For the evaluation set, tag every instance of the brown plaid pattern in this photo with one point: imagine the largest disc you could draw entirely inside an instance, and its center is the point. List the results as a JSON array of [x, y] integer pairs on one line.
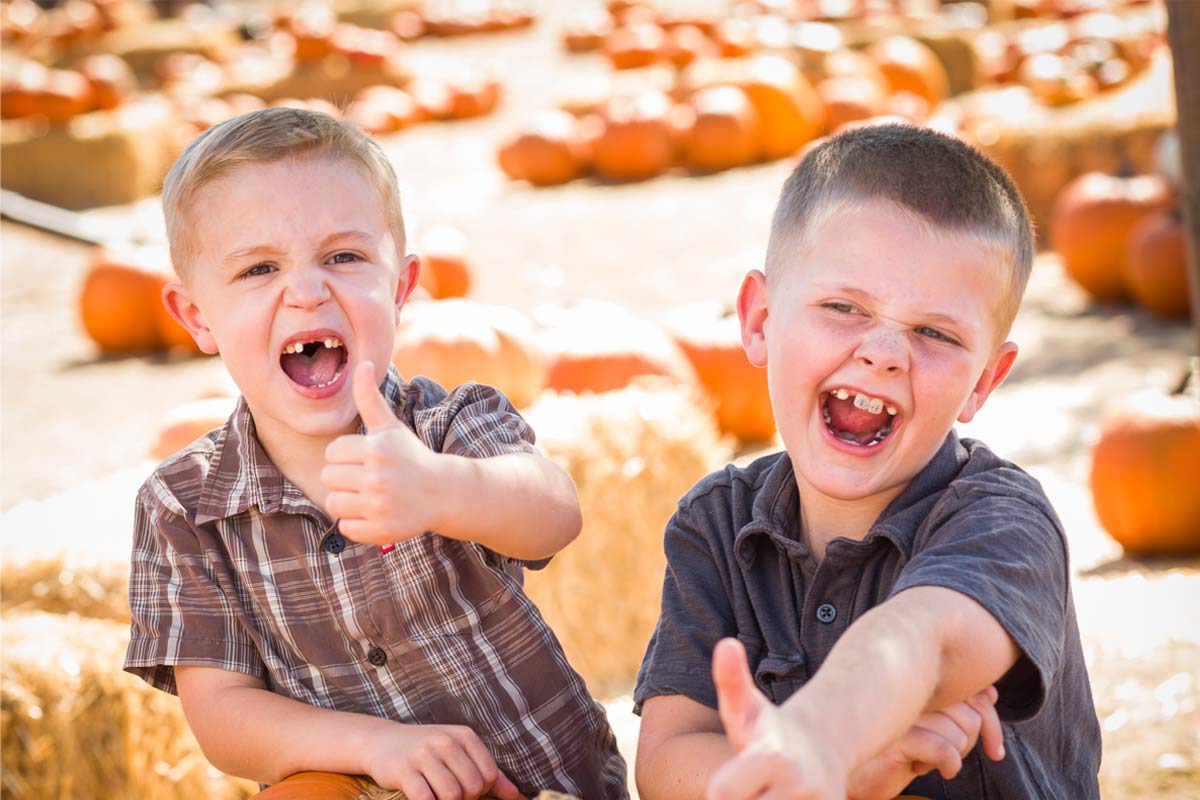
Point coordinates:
[[234, 567]]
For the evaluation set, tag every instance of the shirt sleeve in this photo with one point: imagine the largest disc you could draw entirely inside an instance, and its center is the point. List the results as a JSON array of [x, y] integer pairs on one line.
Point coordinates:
[[179, 612], [1010, 556], [696, 614], [473, 420]]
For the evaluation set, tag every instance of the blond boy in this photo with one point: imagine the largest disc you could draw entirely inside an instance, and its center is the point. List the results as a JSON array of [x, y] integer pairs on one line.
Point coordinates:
[[333, 580], [819, 601]]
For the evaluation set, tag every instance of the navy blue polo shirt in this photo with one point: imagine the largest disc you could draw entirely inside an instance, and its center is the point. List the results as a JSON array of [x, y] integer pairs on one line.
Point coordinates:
[[738, 565]]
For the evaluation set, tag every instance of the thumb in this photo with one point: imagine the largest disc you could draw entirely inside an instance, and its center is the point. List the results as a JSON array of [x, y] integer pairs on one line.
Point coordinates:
[[374, 410], [739, 701]]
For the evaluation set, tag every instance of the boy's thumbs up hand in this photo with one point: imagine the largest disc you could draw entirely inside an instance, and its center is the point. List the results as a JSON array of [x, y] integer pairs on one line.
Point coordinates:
[[382, 484], [775, 756]]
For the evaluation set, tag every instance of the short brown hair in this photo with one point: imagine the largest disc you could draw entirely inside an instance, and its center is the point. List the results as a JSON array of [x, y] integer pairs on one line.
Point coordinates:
[[937, 178], [265, 135]]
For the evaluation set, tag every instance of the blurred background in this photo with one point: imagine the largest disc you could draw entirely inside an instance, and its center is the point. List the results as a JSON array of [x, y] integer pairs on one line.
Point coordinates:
[[586, 183]]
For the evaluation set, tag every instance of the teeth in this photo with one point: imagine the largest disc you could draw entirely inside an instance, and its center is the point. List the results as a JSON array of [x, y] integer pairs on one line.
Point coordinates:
[[892, 410], [869, 404], [841, 394], [298, 347]]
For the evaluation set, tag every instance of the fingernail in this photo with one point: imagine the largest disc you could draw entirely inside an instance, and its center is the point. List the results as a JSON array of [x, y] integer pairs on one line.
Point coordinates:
[[1002, 751]]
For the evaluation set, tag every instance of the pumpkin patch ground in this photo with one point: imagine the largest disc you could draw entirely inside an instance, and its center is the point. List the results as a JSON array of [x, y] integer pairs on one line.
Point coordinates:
[[73, 418]]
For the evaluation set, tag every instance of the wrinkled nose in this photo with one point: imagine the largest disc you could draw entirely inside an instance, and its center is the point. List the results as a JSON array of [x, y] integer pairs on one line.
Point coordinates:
[[884, 350], [306, 288]]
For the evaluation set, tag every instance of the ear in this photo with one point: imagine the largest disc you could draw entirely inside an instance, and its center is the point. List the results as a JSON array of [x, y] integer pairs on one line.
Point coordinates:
[[752, 313], [410, 273], [186, 313], [994, 373]]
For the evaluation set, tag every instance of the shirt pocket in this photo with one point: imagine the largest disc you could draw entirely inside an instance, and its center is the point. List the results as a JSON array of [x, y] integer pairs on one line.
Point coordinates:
[[780, 677]]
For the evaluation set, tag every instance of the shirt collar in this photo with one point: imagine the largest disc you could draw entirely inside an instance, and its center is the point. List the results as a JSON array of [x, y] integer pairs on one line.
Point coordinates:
[[775, 512], [242, 475]]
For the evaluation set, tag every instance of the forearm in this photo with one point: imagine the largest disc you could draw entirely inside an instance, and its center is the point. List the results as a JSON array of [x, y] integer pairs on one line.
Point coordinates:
[[679, 768], [923, 650], [256, 734], [521, 505]]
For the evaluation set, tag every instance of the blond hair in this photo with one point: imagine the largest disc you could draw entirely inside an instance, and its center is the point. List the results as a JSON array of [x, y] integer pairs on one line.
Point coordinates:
[[266, 135], [941, 182]]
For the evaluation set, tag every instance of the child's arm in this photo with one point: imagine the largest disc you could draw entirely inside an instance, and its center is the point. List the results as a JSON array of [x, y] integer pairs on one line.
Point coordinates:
[[925, 648], [387, 486], [247, 730]]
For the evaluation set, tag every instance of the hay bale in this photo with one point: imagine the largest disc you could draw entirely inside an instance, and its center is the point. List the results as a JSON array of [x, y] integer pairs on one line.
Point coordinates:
[[75, 726], [97, 159], [632, 453], [70, 552]]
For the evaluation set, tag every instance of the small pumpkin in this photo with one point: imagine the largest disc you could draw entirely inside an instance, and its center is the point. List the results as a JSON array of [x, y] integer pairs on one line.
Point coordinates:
[[117, 303], [637, 142], [725, 132], [386, 108], [600, 347], [546, 152], [711, 338], [790, 112], [186, 423], [459, 340], [1143, 476], [1157, 271], [851, 98], [312, 26], [586, 29], [111, 79], [686, 44], [1090, 225], [445, 262], [473, 94], [66, 94], [911, 66], [325, 785], [635, 46]]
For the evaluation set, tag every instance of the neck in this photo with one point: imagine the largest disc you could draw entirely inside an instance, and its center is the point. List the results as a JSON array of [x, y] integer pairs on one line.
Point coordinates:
[[300, 457], [824, 518]]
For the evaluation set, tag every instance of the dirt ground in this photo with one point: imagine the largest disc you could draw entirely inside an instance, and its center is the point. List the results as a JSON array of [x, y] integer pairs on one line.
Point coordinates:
[[69, 417]]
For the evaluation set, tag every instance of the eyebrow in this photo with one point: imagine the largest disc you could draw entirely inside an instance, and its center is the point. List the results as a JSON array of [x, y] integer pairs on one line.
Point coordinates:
[[266, 249], [931, 316]]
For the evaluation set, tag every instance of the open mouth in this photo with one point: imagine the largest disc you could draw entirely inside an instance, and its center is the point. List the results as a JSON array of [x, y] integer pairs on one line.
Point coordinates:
[[314, 363], [857, 418]]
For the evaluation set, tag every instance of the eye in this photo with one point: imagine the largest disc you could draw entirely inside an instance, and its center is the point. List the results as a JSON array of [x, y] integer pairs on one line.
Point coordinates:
[[257, 269], [936, 335], [840, 307], [345, 258]]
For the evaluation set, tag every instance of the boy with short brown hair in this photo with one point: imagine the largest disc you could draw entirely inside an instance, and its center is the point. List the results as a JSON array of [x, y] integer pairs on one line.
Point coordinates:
[[820, 600], [332, 581]]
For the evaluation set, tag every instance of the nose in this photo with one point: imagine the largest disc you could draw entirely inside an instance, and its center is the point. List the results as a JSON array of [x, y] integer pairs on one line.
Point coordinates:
[[306, 287], [885, 350]]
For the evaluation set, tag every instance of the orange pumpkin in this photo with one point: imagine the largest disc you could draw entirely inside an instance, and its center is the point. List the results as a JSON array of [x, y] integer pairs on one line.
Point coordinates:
[[725, 132], [712, 340], [911, 66], [111, 79], [323, 785], [634, 46], [1143, 476], [66, 94], [117, 304], [790, 111], [445, 263], [637, 142], [383, 109], [546, 153], [686, 43], [455, 341], [433, 98], [188, 422], [599, 347], [586, 29], [312, 26], [1090, 225], [850, 98], [1157, 274], [473, 95]]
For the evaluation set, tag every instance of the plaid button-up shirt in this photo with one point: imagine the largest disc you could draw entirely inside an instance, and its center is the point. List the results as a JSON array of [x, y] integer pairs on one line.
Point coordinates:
[[234, 567]]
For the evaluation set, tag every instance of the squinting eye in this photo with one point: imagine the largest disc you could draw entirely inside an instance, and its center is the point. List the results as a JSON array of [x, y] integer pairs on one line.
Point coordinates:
[[257, 269], [934, 333], [844, 308], [344, 258]]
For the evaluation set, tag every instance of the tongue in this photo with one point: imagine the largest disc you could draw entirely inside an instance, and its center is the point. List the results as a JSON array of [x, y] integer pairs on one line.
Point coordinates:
[[848, 419], [314, 370]]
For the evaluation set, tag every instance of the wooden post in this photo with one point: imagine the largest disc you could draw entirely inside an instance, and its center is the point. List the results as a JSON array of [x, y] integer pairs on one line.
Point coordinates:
[[1183, 34]]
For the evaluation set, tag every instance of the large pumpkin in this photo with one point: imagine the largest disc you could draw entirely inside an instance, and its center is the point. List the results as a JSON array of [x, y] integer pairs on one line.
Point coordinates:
[[712, 340], [790, 111], [546, 152], [188, 422], [599, 347], [1091, 222], [1157, 274], [1144, 472], [458, 340], [909, 65], [117, 304], [724, 132], [637, 142]]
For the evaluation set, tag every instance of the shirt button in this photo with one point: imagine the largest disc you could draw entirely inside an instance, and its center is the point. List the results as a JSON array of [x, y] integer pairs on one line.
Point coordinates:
[[376, 656], [826, 613], [334, 543]]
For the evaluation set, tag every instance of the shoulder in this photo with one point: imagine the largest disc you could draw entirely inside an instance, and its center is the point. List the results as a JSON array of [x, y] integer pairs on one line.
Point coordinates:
[[177, 484], [986, 477], [732, 492]]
